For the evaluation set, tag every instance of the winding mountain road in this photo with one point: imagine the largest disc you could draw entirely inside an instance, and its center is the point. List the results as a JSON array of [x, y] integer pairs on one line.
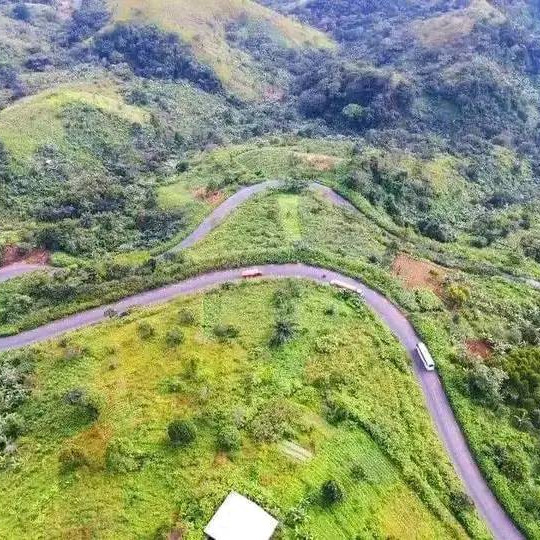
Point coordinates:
[[18, 269], [436, 400]]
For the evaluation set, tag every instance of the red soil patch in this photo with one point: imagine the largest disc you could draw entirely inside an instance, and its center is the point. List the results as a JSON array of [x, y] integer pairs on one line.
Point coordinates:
[[416, 274], [479, 347], [211, 197], [14, 254]]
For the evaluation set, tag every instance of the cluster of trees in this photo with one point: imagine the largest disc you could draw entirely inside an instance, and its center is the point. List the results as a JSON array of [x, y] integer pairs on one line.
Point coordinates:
[[15, 385], [152, 53], [352, 95]]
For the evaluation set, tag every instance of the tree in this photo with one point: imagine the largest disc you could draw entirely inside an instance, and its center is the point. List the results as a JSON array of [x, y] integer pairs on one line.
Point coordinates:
[[88, 19], [152, 53], [182, 432], [353, 112], [485, 384], [331, 492]]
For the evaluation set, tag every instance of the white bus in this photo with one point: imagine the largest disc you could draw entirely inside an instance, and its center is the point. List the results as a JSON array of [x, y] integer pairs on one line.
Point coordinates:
[[347, 286], [425, 356]]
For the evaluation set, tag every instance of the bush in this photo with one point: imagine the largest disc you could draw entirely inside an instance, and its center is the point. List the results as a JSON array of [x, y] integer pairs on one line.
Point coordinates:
[[458, 295], [512, 462], [146, 330], [228, 438], [225, 331], [174, 337], [71, 458], [460, 502], [182, 432], [86, 404], [284, 331], [186, 317], [331, 492], [122, 457]]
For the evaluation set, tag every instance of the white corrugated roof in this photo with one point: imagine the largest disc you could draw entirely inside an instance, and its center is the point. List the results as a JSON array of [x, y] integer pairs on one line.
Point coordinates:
[[239, 518]]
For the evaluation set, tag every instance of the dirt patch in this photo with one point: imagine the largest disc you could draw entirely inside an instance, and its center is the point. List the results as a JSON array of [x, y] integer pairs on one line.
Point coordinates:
[[15, 254], [416, 274], [93, 442], [319, 162], [214, 198], [479, 347], [273, 94], [221, 459]]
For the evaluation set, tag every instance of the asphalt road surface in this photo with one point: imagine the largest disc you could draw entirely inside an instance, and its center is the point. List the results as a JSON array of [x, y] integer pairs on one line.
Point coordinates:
[[437, 403], [18, 269]]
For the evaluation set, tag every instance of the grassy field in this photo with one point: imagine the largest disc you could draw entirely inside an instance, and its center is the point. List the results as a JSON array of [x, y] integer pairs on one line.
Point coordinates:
[[203, 25], [36, 121], [116, 475]]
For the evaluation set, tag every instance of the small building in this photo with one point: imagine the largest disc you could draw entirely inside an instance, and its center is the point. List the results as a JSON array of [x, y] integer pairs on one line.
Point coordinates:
[[239, 518]]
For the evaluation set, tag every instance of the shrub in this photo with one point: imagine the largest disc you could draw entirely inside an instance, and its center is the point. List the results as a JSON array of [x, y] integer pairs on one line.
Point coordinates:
[[331, 492], [358, 472], [225, 331], [174, 337], [272, 421], [458, 294], [186, 317], [284, 331], [71, 458], [228, 438], [182, 166], [122, 457], [460, 502], [182, 432], [512, 462], [146, 330], [86, 404]]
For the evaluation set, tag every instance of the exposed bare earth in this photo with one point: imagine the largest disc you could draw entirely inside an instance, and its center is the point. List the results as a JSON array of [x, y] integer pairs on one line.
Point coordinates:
[[417, 274], [479, 347]]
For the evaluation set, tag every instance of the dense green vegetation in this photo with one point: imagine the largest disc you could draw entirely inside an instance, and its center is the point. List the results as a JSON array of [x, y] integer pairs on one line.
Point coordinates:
[[292, 424], [123, 124]]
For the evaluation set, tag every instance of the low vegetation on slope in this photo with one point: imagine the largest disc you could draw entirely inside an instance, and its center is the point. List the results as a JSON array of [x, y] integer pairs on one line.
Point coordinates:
[[204, 23], [278, 388]]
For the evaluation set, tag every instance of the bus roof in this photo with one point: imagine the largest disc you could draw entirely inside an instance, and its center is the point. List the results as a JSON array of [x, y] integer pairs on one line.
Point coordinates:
[[423, 350]]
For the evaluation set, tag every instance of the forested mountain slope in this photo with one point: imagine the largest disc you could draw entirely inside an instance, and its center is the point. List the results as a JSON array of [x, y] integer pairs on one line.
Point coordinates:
[[124, 123]]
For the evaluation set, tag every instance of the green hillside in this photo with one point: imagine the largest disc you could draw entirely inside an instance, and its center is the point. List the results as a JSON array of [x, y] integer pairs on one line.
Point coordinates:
[[114, 474], [125, 123], [203, 24]]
